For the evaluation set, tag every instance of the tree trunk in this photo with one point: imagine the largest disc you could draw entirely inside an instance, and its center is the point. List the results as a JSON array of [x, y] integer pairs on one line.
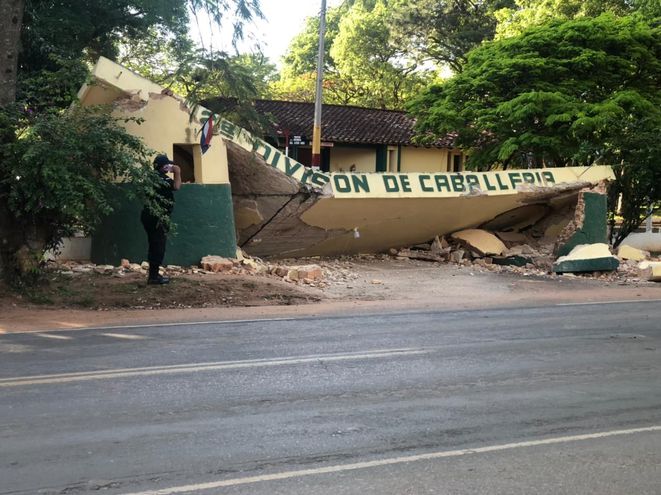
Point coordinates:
[[11, 21]]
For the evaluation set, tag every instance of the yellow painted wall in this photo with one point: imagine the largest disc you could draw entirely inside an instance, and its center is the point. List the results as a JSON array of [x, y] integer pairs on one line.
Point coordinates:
[[423, 159], [363, 158], [166, 117]]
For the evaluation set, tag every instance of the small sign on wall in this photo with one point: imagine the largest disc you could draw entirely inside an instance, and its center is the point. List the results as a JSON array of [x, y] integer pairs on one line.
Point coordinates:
[[298, 141]]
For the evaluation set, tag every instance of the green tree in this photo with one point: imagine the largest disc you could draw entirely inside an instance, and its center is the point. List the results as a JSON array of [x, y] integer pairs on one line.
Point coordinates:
[[567, 93], [57, 163], [514, 20], [444, 31], [365, 53], [364, 64]]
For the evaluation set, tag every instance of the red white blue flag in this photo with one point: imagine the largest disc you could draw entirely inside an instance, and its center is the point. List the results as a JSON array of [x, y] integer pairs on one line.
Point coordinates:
[[207, 133]]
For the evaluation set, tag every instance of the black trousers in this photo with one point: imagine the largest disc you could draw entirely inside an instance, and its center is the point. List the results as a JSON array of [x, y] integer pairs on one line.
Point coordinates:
[[157, 236]]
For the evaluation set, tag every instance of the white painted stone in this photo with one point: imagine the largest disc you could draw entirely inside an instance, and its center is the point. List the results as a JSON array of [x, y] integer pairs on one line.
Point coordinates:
[[650, 270], [647, 241]]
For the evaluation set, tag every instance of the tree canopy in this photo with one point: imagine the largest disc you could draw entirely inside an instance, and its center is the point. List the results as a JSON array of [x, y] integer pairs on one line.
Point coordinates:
[[444, 31], [515, 19], [578, 92], [364, 63], [58, 162]]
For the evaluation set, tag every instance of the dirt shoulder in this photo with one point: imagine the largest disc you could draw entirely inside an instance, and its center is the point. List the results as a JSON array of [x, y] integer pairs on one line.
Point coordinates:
[[350, 286]]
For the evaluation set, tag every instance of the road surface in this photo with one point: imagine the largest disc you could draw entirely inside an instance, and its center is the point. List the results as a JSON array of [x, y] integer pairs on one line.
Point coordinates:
[[559, 399]]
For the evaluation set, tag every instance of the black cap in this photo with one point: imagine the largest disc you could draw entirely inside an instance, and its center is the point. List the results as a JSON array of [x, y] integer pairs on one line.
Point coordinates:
[[161, 160]]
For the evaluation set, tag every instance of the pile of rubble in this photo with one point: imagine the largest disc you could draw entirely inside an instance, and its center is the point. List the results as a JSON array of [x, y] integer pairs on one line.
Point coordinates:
[[310, 274], [525, 255]]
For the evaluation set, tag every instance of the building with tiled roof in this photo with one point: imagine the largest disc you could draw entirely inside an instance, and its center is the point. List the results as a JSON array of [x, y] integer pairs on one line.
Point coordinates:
[[353, 138]]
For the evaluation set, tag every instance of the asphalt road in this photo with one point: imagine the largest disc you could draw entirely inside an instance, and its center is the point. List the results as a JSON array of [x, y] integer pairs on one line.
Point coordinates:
[[563, 399]]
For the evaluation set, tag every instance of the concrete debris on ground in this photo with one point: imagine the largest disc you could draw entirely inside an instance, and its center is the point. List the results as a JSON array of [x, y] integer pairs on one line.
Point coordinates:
[[626, 252], [311, 274], [526, 253], [480, 241], [530, 253], [650, 271]]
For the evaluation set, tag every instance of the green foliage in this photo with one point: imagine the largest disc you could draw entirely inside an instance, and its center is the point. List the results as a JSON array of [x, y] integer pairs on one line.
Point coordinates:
[[301, 57], [567, 93], [444, 31], [516, 19], [364, 65], [53, 88], [365, 53], [363, 62], [72, 28], [59, 162], [57, 175]]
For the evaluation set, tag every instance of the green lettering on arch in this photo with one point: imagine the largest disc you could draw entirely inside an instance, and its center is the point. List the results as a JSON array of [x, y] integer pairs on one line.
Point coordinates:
[[442, 183], [360, 183], [423, 186], [458, 183], [548, 176], [390, 183], [342, 183]]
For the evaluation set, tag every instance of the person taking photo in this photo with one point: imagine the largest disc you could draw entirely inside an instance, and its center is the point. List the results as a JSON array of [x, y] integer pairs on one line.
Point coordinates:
[[157, 226]]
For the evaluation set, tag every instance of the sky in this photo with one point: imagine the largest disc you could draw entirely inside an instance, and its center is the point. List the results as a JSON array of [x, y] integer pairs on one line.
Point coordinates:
[[283, 19]]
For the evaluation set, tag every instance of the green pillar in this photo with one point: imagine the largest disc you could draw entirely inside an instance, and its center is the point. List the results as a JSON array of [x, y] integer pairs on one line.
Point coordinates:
[[204, 224]]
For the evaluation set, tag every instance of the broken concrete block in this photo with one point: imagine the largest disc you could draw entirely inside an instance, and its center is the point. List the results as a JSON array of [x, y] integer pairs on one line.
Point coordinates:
[[588, 226], [587, 258], [239, 254], [252, 265], [103, 268], [631, 253], [480, 241], [312, 272], [650, 271], [216, 264], [457, 256], [439, 246], [281, 271], [125, 263]]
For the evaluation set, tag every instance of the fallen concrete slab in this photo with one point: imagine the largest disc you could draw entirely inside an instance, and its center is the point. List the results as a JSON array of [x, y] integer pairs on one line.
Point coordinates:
[[480, 241], [587, 258], [631, 253], [298, 211]]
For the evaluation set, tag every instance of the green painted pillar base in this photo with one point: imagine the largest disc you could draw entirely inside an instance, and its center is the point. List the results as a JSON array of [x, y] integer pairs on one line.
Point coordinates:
[[204, 221], [594, 229], [606, 264]]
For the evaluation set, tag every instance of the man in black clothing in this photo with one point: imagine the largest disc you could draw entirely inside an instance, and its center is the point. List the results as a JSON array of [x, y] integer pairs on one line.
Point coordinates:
[[157, 231]]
